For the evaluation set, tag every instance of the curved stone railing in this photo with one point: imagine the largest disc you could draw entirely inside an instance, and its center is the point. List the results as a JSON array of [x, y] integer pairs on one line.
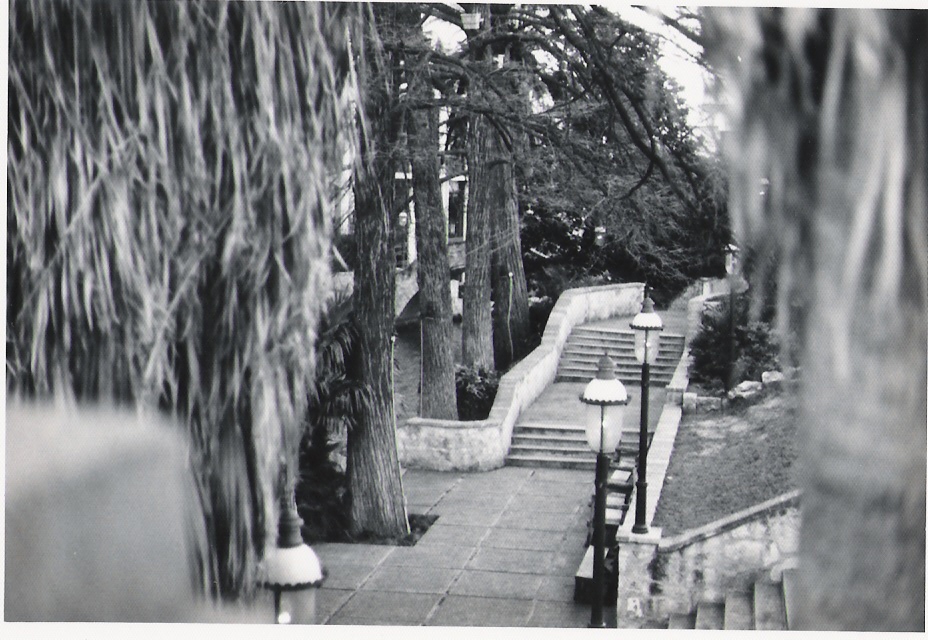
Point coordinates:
[[703, 563], [446, 445]]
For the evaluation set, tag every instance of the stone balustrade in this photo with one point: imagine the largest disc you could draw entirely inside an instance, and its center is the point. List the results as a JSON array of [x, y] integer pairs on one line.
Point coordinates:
[[447, 445]]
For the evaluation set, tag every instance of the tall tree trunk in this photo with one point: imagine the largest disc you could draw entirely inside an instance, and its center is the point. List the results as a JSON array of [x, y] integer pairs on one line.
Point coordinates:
[[438, 396], [374, 482], [510, 295], [862, 541], [843, 142], [477, 328]]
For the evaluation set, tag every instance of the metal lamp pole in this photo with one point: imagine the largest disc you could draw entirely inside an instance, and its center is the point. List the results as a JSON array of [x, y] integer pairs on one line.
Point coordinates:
[[599, 535], [646, 324], [641, 484], [603, 435]]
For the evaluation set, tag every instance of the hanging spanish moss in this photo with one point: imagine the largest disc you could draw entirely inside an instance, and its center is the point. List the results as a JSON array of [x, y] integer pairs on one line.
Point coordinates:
[[169, 226]]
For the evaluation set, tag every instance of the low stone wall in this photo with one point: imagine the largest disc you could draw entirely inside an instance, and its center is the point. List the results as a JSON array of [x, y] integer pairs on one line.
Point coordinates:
[[730, 553], [445, 445]]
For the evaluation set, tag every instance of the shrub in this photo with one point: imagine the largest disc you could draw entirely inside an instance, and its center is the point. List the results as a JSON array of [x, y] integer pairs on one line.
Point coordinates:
[[335, 399], [756, 348], [476, 391]]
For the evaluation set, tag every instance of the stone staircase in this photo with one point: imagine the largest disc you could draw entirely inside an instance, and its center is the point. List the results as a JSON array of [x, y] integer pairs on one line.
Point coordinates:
[[765, 606], [586, 345], [563, 447]]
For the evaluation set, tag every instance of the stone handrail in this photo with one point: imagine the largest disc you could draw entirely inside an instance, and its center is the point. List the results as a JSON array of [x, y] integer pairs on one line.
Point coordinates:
[[447, 445], [703, 563]]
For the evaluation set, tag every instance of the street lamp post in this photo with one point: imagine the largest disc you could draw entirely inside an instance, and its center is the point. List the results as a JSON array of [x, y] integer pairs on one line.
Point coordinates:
[[647, 326], [605, 398], [730, 253], [292, 570]]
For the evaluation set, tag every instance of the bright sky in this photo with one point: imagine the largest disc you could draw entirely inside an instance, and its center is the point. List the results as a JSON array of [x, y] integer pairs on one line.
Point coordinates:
[[676, 54]]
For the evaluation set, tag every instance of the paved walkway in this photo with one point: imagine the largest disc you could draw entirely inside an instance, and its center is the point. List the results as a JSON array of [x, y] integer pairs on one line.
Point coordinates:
[[502, 553]]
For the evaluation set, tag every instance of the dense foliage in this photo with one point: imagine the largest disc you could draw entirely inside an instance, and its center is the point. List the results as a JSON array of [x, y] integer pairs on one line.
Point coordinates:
[[335, 401], [476, 391], [756, 348]]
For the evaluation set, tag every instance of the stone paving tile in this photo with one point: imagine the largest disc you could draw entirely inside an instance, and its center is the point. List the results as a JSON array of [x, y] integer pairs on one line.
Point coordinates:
[[428, 478], [506, 480], [382, 607], [544, 504], [435, 555], [332, 553], [329, 600], [550, 488], [514, 561], [533, 540], [459, 535], [556, 589], [421, 508], [448, 515], [495, 584], [411, 579], [468, 611], [558, 522], [464, 498], [346, 576], [559, 614], [566, 561], [571, 476]]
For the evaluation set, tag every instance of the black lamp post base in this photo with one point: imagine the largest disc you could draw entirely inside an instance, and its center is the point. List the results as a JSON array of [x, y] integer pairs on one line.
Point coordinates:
[[641, 526]]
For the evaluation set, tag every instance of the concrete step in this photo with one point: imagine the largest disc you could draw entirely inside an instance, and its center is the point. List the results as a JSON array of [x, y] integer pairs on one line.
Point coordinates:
[[769, 609], [682, 621], [592, 356], [587, 330], [562, 450], [574, 376], [739, 611], [583, 581], [616, 501], [789, 596], [632, 374], [549, 428], [621, 368], [622, 481], [709, 615], [544, 440], [550, 462], [620, 337]]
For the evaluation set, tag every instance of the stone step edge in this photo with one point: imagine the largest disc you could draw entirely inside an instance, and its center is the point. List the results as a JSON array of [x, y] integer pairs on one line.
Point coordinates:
[[673, 335]]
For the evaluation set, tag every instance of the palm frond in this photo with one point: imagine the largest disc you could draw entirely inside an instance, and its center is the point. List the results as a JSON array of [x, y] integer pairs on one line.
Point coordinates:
[[169, 224]]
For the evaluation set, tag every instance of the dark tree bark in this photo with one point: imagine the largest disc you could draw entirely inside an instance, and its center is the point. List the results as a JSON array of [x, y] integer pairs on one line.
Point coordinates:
[[510, 296], [849, 212], [477, 329], [374, 481], [438, 396]]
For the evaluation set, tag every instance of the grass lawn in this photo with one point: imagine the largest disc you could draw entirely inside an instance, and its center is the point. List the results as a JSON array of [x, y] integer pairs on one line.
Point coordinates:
[[730, 460]]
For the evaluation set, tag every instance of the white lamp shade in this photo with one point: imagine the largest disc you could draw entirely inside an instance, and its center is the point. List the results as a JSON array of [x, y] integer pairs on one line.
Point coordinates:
[[292, 567], [647, 345], [730, 252], [605, 399], [647, 324], [471, 21], [604, 426]]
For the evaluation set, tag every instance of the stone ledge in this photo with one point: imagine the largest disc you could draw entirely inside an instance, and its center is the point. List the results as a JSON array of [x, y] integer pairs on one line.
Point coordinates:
[[733, 521]]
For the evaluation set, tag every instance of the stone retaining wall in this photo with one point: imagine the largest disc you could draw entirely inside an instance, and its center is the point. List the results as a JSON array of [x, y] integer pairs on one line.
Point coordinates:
[[446, 445], [730, 553]]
